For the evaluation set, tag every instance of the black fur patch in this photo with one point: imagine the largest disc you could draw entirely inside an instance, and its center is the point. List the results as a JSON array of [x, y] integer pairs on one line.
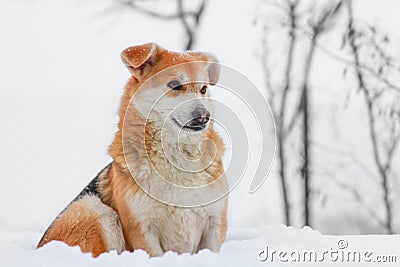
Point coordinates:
[[92, 187]]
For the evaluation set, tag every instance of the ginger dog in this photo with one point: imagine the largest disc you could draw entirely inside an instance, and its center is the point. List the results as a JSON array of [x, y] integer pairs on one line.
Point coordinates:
[[114, 212]]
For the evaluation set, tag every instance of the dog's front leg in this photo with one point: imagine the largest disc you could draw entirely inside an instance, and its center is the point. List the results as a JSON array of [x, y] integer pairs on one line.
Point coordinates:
[[214, 233], [153, 242]]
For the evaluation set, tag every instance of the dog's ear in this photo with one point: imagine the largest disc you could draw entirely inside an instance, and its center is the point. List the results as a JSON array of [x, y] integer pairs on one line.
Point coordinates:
[[213, 68], [137, 58]]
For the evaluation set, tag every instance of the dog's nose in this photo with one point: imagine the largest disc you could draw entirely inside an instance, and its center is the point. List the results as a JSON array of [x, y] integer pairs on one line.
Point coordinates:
[[201, 115]]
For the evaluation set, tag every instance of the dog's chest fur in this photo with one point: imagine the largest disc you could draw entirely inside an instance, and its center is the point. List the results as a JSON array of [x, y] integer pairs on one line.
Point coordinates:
[[173, 228]]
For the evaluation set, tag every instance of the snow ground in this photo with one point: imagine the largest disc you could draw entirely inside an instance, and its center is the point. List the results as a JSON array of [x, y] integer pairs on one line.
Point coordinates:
[[242, 248], [59, 92]]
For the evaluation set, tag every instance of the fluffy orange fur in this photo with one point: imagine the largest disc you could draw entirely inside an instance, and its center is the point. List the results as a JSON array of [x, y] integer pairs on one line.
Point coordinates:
[[78, 226]]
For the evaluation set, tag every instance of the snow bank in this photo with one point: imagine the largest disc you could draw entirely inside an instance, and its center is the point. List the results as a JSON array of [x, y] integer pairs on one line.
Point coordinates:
[[21, 251], [244, 247]]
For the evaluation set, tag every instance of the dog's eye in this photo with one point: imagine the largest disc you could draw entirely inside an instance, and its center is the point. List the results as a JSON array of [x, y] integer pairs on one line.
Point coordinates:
[[203, 90], [175, 85]]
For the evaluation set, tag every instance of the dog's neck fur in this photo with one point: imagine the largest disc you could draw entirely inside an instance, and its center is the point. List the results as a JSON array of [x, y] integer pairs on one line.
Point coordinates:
[[141, 155]]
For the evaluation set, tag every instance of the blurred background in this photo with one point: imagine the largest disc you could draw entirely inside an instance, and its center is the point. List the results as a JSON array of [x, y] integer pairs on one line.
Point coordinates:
[[329, 69]]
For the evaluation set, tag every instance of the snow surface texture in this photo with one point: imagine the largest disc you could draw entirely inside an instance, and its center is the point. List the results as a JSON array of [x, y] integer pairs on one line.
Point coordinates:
[[60, 86], [242, 248]]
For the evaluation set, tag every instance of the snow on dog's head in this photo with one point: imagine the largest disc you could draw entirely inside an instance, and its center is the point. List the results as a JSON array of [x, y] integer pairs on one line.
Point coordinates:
[[166, 138], [166, 111], [172, 88]]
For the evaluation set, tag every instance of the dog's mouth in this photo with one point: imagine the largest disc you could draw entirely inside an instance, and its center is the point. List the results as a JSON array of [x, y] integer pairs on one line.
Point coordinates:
[[191, 125]]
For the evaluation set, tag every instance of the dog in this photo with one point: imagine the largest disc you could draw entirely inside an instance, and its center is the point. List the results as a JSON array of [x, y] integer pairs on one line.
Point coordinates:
[[125, 207]]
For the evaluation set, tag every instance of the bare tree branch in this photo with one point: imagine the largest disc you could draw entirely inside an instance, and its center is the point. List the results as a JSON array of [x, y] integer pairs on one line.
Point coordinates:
[[323, 22], [349, 156], [379, 164], [374, 80], [182, 15], [133, 5], [350, 62], [360, 200], [190, 30], [305, 109], [280, 112], [282, 133]]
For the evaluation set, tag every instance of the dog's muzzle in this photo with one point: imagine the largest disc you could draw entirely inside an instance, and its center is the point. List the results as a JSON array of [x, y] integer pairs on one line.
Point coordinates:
[[201, 117]]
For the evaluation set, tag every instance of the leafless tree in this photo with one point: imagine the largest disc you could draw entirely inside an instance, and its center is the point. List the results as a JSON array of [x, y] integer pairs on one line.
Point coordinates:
[[281, 110], [374, 68], [189, 19], [321, 21], [366, 43]]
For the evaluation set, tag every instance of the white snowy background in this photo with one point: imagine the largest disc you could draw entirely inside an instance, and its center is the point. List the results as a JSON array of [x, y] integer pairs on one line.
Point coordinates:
[[60, 84]]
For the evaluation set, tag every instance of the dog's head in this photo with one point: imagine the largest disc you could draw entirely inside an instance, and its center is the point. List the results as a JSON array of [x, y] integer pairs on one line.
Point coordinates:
[[172, 88]]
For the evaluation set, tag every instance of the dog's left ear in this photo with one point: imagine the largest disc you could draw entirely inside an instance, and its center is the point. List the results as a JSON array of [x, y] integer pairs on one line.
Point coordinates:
[[213, 68], [137, 58]]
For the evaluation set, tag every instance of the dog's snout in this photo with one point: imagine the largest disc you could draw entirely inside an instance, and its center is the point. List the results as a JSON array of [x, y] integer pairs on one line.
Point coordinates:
[[201, 115]]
